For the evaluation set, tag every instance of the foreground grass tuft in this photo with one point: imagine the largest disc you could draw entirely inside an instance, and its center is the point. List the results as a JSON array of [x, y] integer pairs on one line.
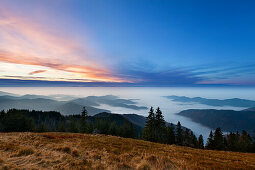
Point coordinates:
[[25, 152]]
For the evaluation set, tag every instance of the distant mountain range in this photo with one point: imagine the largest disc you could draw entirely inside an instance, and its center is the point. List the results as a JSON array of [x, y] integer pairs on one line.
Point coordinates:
[[5, 94], [227, 120], [73, 106], [235, 102]]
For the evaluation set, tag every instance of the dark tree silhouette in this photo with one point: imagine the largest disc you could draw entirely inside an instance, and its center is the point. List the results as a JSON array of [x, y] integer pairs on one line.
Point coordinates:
[[149, 129], [200, 142], [179, 134]]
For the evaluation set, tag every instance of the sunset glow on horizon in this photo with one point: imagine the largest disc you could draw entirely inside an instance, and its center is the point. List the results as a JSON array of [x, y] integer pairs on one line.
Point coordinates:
[[27, 48]]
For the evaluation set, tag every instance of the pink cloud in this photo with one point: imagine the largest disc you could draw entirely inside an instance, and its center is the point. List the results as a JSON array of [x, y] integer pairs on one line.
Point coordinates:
[[37, 72], [27, 43]]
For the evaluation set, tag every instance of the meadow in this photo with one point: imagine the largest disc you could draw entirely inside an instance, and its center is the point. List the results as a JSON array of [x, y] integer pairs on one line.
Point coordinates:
[[82, 151]]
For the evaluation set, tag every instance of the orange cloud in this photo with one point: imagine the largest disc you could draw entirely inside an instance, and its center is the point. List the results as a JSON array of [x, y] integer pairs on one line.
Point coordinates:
[[86, 72], [24, 42]]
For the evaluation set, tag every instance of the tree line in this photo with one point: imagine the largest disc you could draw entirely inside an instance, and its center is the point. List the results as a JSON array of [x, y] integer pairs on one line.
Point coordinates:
[[14, 120], [231, 142], [155, 130]]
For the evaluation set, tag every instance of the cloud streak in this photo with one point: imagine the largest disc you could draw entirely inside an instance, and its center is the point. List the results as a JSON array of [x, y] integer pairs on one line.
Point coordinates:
[[37, 72], [26, 43]]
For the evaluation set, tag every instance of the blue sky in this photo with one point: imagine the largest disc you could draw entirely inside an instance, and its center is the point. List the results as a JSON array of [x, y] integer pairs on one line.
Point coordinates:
[[134, 42]]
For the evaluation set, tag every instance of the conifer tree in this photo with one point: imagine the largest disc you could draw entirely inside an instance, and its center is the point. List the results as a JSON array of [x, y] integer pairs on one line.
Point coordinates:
[[193, 142], [160, 127], [218, 139], [171, 134], [149, 129], [84, 113], [210, 141], [200, 142], [179, 134], [245, 142], [160, 122], [83, 128]]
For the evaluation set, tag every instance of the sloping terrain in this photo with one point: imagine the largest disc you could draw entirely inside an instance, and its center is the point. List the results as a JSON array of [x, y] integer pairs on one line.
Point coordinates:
[[227, 120], [69, 107], [65, 107], [82, 151]]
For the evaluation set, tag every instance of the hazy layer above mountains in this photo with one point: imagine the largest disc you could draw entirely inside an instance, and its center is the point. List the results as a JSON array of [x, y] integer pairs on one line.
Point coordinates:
[[72, 106], [235, 102]]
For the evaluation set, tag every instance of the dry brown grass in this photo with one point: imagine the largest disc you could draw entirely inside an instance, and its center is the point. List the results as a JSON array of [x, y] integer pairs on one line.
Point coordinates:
[[78, 151]]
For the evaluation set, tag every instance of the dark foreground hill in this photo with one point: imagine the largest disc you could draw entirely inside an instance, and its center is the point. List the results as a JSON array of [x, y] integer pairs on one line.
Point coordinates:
[[82, 151], [228, 120]]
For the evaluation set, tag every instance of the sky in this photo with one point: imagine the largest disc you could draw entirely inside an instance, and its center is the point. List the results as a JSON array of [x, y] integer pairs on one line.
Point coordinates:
[[127, 42]]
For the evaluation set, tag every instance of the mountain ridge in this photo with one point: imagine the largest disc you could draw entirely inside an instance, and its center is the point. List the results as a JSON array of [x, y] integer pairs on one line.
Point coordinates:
[[235, 102], [228, 120]]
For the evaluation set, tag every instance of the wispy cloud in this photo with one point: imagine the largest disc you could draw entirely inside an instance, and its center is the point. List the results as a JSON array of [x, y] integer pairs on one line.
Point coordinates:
[[24, 42], [230, 73], [37, 72], [149, 74]]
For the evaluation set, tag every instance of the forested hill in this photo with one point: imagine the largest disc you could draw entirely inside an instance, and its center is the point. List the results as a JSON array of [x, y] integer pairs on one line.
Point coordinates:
[[106, 123], [228, 120], [126, 125]]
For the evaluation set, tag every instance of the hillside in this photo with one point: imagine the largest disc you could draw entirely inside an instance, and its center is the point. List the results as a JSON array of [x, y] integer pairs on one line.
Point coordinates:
[[250, 109], [228, 120], [67, 107], [78, 151]]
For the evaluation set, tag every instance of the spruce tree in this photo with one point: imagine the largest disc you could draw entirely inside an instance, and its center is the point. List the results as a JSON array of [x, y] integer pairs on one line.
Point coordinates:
[[218, 139], [210, 141], [200, 142], [83, 128], [160, 127], [186, 138], [179, 134], [149, 129], [170, 134], [194, 141], [84, 113], [245, 142]]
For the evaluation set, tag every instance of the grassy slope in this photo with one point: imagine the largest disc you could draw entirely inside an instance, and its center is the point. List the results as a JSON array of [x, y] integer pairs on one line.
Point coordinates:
[[78, 151]]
